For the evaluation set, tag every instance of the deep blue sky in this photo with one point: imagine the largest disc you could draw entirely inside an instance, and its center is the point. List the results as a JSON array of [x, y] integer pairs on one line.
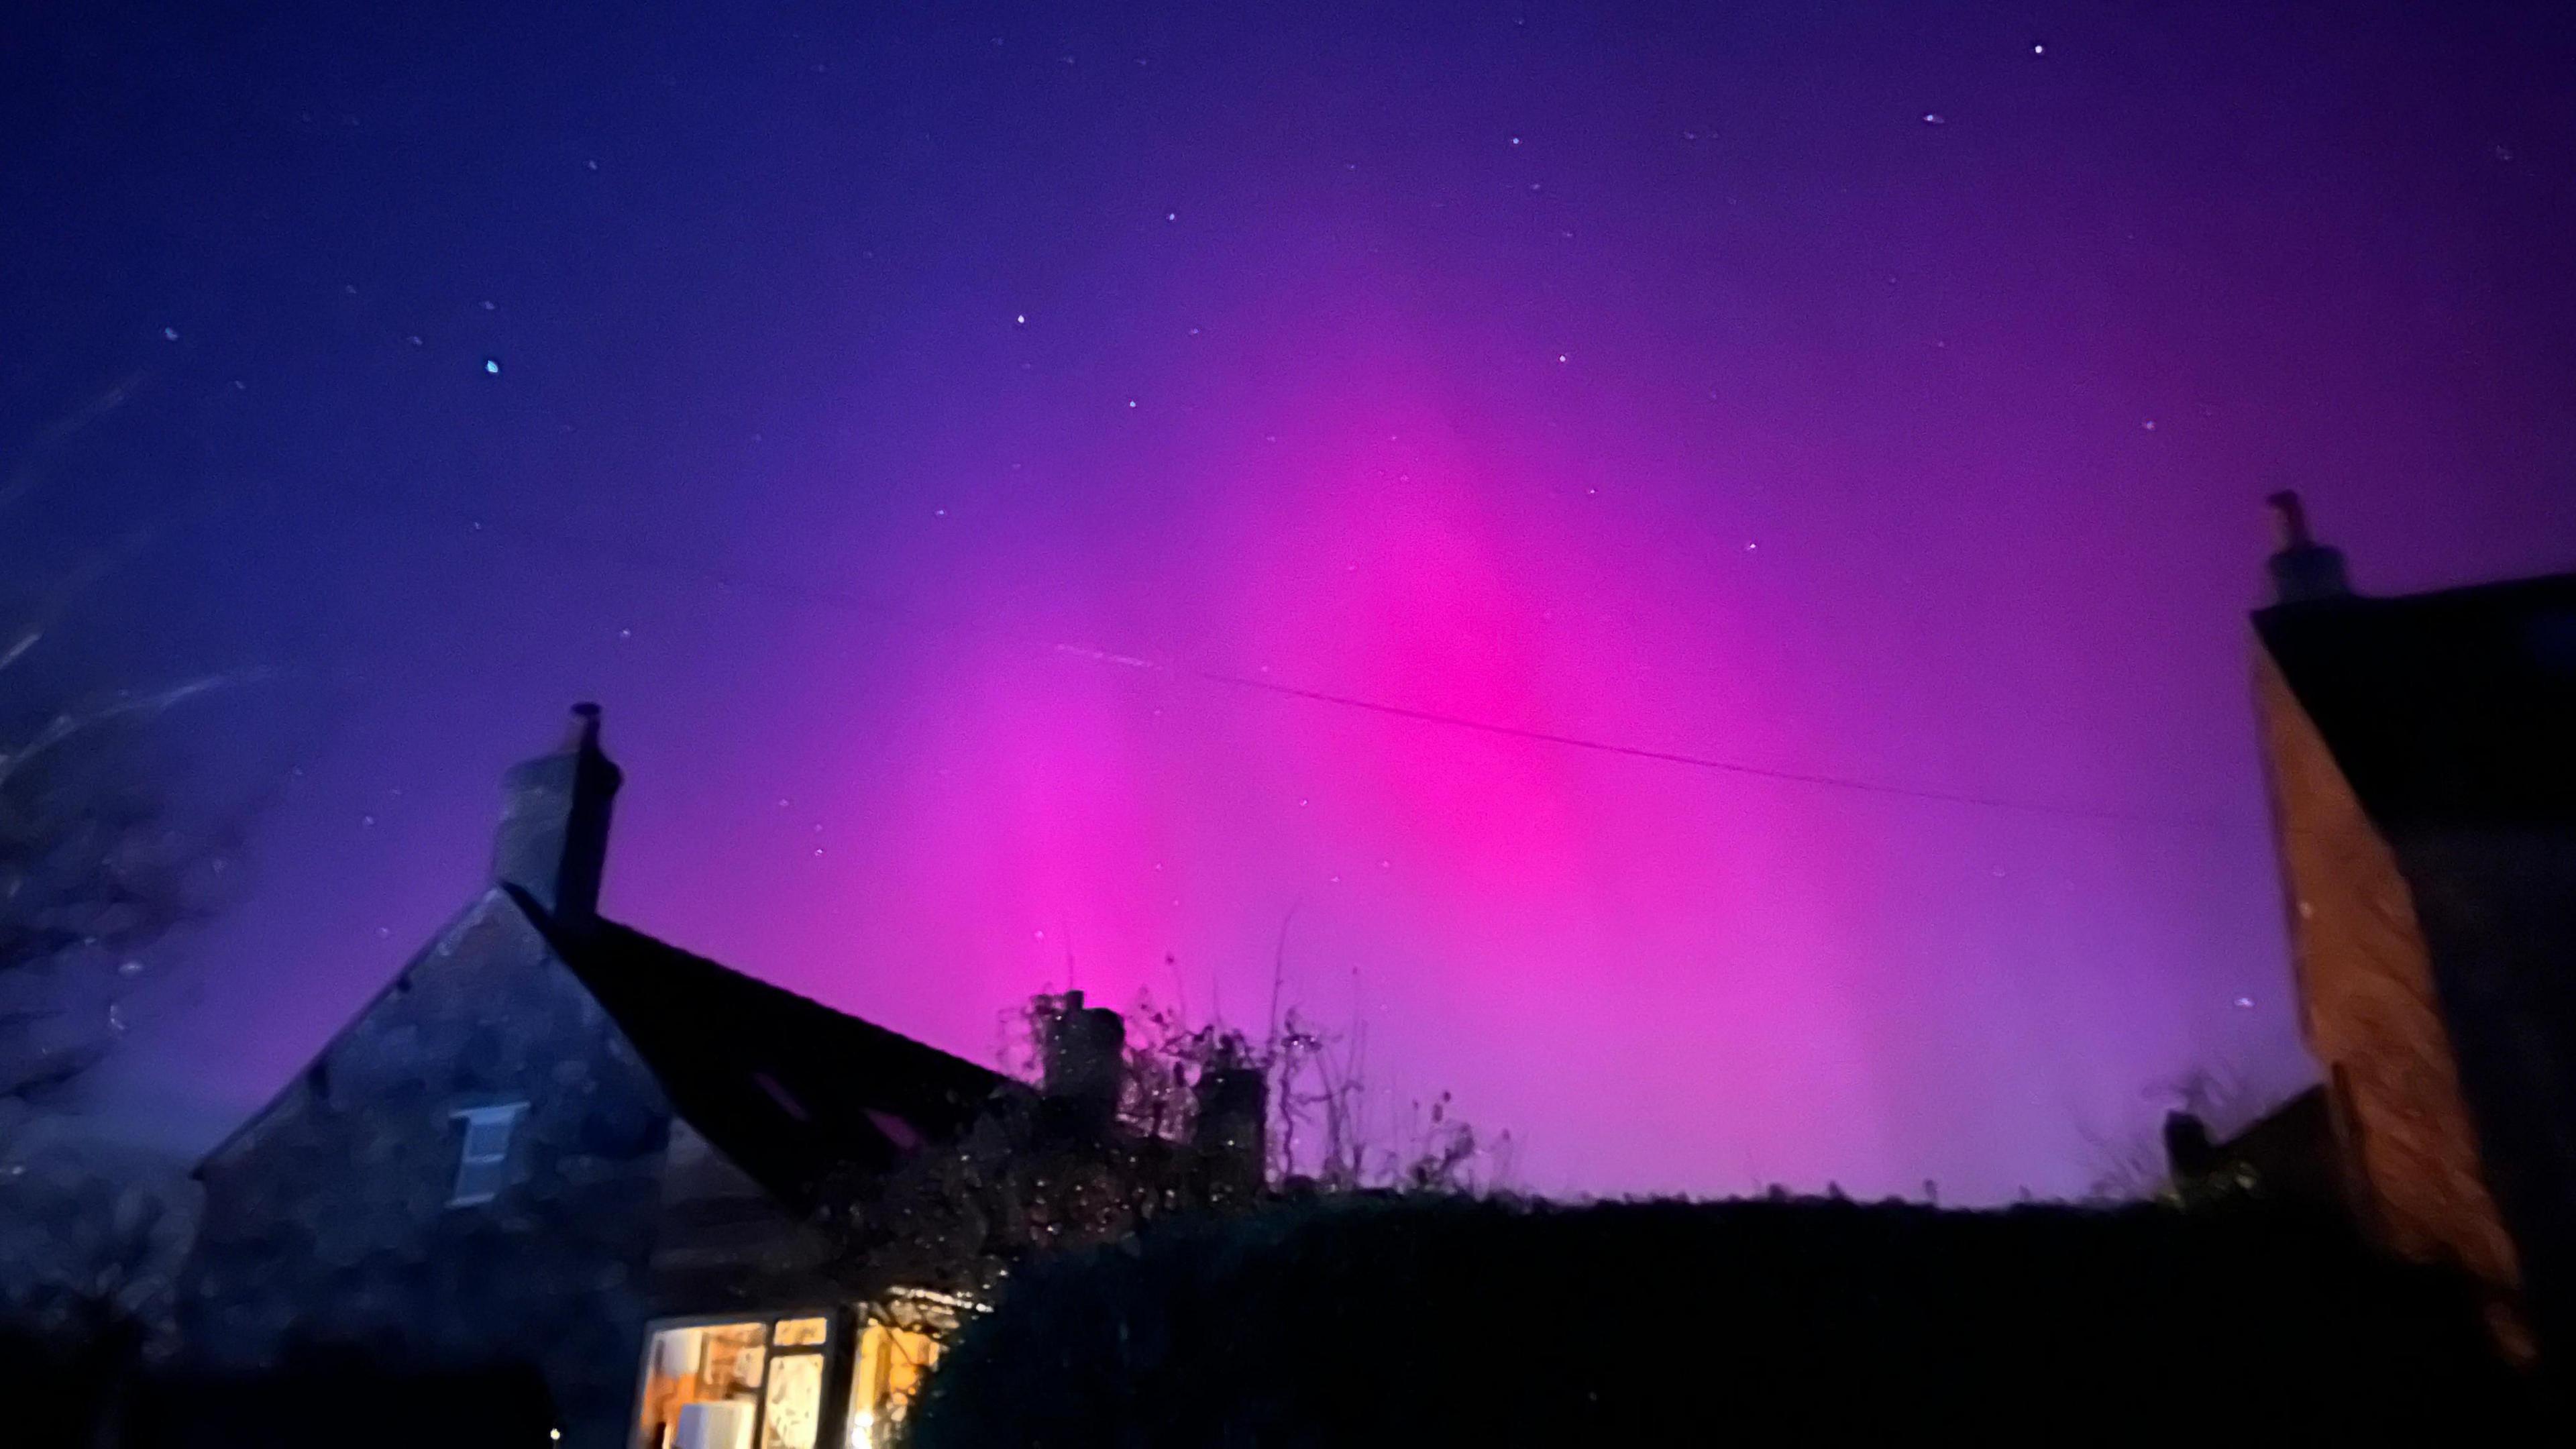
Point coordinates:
[[1868, 391]]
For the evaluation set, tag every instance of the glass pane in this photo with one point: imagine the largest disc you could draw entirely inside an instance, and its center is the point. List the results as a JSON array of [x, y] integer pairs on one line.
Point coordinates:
[[891, 1363], [487, 1137], [478, 1181], [799, 1332], [795, 1401], [700, 1384]]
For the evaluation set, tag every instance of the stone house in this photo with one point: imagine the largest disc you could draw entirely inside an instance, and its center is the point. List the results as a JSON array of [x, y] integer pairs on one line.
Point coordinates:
[[2421, 760], [547, 1133]]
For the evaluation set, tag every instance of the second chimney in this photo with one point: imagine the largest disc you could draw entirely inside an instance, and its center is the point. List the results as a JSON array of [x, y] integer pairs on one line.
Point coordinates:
[[1230, 1133], [2303, 570], [1084, 1065]]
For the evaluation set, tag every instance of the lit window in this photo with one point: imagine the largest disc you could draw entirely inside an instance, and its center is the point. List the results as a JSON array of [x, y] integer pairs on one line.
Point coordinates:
[[895, 1351], [801, 1332], [483, 1161], [702, 1386], [791, 1417]]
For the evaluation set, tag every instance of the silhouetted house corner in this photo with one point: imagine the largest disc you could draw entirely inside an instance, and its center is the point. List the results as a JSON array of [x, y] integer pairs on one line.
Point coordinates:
[[2421, 762]]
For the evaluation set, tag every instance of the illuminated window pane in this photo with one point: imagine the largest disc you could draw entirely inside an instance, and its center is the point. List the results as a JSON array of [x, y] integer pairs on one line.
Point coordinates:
[[891, 1364], [702, 1385], [795, 1401], [799, 1332]]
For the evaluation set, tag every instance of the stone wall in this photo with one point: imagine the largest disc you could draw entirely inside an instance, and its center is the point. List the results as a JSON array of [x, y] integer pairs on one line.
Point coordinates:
[[328, 1227]]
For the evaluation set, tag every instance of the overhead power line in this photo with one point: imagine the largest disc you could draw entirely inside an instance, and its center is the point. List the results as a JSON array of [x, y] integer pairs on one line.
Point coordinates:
[[804, 595], [1641, 752]]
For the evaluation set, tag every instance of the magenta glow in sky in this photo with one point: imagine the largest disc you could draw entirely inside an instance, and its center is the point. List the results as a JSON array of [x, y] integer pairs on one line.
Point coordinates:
[[947, 442]]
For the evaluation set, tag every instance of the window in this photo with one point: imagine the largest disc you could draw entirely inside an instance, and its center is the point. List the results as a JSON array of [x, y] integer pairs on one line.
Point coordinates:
[[702, 1386], [749, 1385], [899, 1340], [801, 1332], [792, 1415], [811, 1378], [483, 1160]]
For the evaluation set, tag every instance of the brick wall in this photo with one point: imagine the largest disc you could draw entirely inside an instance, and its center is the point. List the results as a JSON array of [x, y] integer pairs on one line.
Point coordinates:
[[2371, 1013]]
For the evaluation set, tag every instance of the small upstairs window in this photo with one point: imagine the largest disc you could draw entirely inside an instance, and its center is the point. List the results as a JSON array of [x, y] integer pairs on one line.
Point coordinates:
[[483, 1159]]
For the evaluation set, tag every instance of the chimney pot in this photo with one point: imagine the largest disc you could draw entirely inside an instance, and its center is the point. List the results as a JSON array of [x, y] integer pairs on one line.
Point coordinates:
[[2292, 516], [2303, 571]]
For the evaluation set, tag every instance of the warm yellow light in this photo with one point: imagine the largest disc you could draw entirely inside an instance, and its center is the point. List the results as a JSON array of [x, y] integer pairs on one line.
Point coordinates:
[[798, 1332]]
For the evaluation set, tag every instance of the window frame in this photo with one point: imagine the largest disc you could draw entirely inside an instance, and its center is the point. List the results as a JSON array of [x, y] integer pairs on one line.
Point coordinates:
[[481, 1176], [833, 1352]]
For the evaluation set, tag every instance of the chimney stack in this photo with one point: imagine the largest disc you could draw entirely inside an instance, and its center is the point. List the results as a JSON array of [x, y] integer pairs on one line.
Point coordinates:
[[2303, 570], [553, 841], [1231, 1131], [1084, 1066]]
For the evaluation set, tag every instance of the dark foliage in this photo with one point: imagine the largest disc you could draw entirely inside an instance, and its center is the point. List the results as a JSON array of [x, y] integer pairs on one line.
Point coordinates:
[[64, 1389], [335, 1403], [96, 871], [1396, 1320], [1022, 1180], [965, 1217]]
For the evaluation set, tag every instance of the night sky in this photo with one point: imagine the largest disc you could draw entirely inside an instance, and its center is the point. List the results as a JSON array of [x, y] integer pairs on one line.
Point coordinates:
[[948, 439]]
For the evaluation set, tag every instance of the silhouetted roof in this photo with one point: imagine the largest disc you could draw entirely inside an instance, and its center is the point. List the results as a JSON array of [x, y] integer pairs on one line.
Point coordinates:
[[788, 1088], [2448, 708], [2285, 1156]]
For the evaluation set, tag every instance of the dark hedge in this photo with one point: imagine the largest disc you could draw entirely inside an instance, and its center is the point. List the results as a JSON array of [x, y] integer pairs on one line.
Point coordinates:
[[1448, 1321]]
